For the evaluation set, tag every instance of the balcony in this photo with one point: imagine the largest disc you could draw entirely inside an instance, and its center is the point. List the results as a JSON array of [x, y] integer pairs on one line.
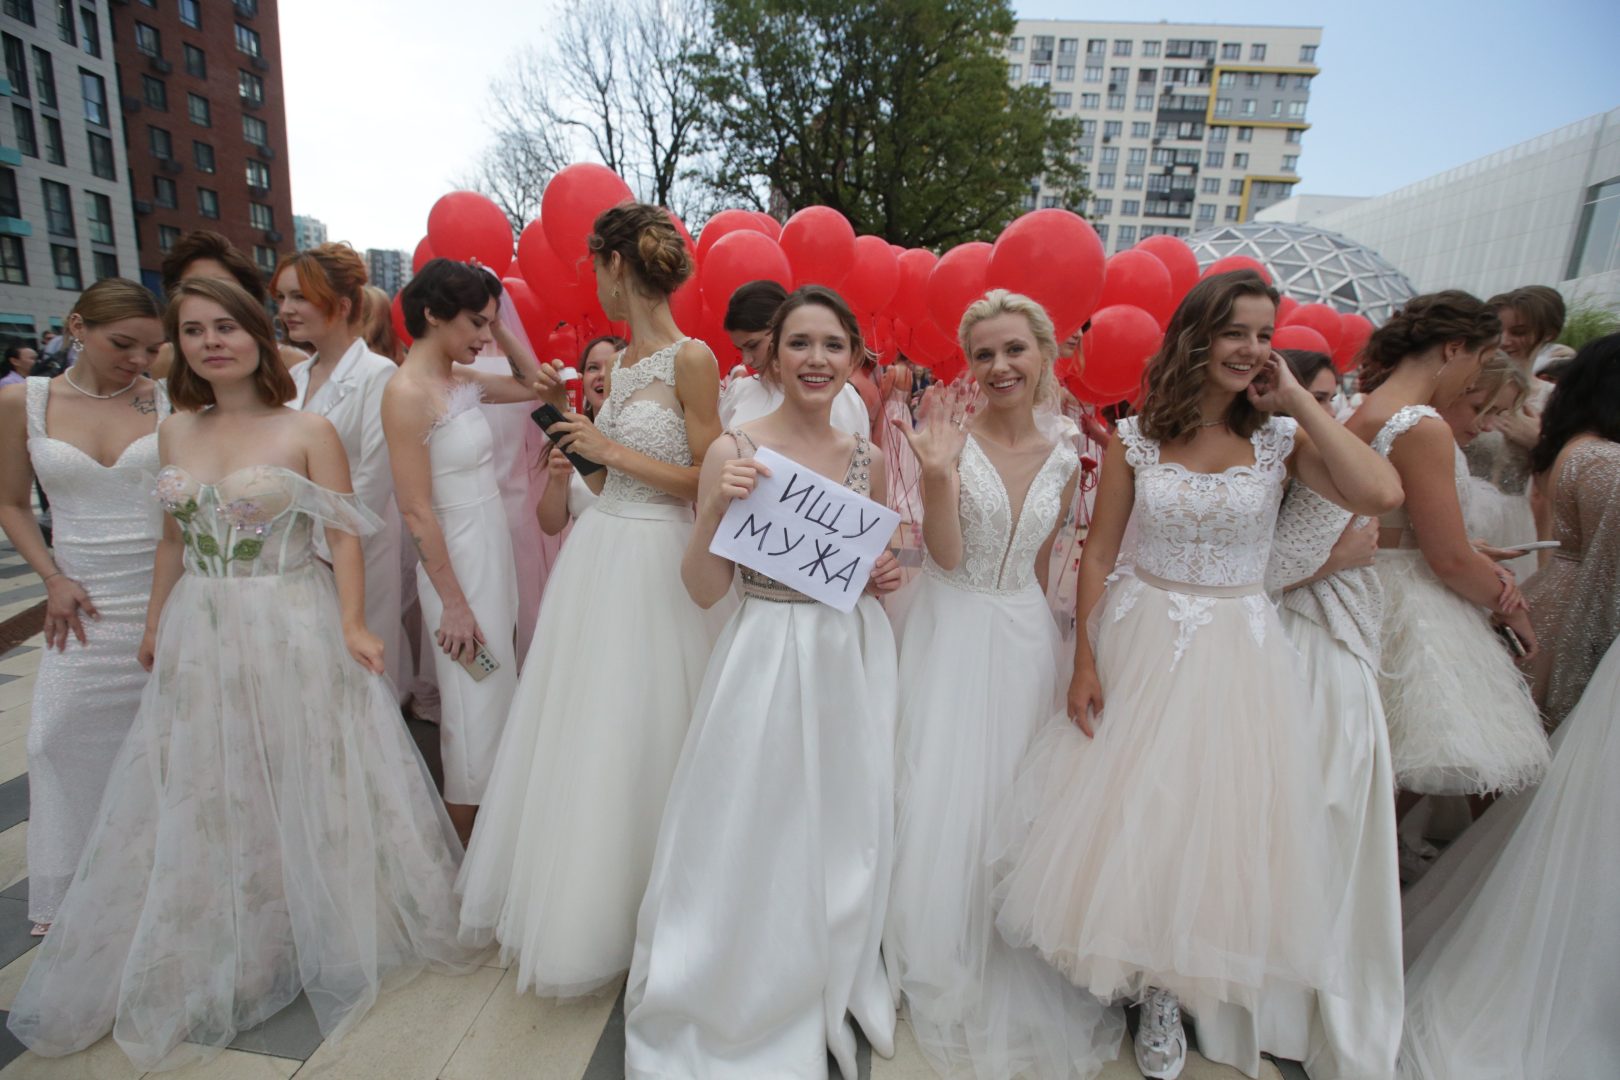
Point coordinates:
[[271, 236], [159, 65], [142, 207]]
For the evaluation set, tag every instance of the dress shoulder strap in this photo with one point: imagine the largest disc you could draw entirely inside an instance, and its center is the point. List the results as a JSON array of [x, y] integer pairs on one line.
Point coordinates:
[[38, 390], [1139, 449], [1404, 420], [160, 398], [858, 477]]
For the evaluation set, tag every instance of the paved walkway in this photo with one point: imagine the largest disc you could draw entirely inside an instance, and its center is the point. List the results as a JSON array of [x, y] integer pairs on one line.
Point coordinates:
[[472, 1027]]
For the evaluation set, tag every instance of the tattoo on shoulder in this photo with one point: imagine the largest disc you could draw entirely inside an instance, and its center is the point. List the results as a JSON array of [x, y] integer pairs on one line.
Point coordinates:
[[146, 406]]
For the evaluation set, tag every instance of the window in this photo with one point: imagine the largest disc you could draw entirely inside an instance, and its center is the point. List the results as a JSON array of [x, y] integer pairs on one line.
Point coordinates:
[[1062, 100], [44, 78], [1276, 108], [1015, 72], [1091, 101], [1110, 156], [261, 216], [1015, 45], [1307, 54], [1131, 207], [65, 261], [100, 217], [1234, 187], [1137, 156], [1282, 82], [197, 110], [1245, 134], [1150, 48], [1102, 207], [1065, 73], [202, 155], [1597, 236], [1232, 212], [1217, 134], [16, 66], [1096, 47], [164, 193], [1231, 50], [1140, 129], [1102, 231], [1240, 161], [1257, 53], [265, 257], [54, 151], [159, 142], [92, 31], [1105, 181], [10, 202], [1116, 102], [191, 14], [1127, 237], [1215, 159], [22, 122], [1164, 156], [1133, 181], [101, 156], [1296, 108], [148, 40], [1227, 80], [254, 130], [1050, 202], [1248, 106], [1119, 75], [1088, 129], [154, 93], [21, 10], [58, 208], [1144, 102], [1112, 128], [196, 62], [1040, 73], [247, 40], [13, 267], [1122, 47], [1252, 79], [1068, 46], [168, 236], [1294, 135], [64, 22], [1158, 183], [1094, 74], [1147, 76], [1302, 82], [1210, 185], [105, 263], [1223, 106], [94, 89], [208, 203], [1290, 163], [1206, 214]]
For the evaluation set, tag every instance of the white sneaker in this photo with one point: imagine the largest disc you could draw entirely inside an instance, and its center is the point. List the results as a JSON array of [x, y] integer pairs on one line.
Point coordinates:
[[1161, 1042]]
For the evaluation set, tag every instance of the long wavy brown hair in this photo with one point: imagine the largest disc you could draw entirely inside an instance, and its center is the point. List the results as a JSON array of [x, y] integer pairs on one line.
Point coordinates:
[[1173, 383]]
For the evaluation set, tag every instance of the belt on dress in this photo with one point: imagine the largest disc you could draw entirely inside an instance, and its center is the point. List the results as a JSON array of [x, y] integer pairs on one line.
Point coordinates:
[[643, 511], [1223, 591]]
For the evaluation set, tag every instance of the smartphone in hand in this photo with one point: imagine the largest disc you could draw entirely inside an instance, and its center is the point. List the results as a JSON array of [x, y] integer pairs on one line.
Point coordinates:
[[546, 417]]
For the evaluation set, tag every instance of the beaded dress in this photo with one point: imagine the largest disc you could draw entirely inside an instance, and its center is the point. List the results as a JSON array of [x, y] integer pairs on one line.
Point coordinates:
[[760, 933]]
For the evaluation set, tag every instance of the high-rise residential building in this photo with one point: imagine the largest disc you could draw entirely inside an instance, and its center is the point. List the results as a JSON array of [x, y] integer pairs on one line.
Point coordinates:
[[389, 269], [307, 232], [65, 218], [1184, 126], [200, 86]]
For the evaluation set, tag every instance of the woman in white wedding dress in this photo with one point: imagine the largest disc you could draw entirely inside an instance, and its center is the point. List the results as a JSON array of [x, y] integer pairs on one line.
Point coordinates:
[[1168, 848], [559, 861], [90, 437], [760, 932], [979, 661], [443, 459], [758, 393], [269, 828]]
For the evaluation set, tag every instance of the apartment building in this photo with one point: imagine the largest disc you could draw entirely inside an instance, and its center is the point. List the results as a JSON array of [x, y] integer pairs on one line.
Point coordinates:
[[1184, 126], [388, 268], [307, 232]]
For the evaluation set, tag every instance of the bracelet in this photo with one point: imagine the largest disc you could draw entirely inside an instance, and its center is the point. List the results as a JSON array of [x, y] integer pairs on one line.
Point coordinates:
[[48, 577]]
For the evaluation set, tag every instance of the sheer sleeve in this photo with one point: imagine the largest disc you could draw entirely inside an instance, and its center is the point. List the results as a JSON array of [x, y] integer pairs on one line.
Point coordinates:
[[333, 509]]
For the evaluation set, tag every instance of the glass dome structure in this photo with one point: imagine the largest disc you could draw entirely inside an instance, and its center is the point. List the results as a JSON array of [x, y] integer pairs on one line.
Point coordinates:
[[1312, 265]]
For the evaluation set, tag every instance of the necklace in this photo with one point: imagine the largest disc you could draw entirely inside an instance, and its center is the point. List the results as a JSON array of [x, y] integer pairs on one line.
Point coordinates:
[[68, 375], [1212, 423]]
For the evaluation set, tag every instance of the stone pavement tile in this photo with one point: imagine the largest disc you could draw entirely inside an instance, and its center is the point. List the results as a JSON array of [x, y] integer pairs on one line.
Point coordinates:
[[24, 664], [17, 695], [14, 926], [18, 654], [13, 758], [524, 1035], [12, 976], [291, 1033], [607, 1062], [908, 1062], [235, 1065], [13, 855], [103, 1061], [13, 801], [410, 1033]]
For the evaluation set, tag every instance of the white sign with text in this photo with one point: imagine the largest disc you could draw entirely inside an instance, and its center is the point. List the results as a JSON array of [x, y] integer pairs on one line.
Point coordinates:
[[807, 532]]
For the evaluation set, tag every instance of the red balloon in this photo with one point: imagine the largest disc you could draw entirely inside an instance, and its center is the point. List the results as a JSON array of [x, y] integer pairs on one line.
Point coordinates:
[[874, 277], [1286, 306], [738, 258], [1296, 336], [1055, 258], [931, 346], [771, 226], [1319, 317], [563, 344], [1354, 330], [686, 305], [726, 221], [465, 225], [712, 332], [820, 245], [531, 312], [572, 200], [556, 287], [397, 309], [1139, 278], [422, 256], [1238, 262], [1177, 257], [956, 281], [911, 297], [1118, 345]]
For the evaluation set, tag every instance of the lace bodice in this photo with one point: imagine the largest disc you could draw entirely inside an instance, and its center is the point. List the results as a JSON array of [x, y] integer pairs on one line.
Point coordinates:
[[255, 522], [1208, 529], [998, 554], [1398, 518], [643, 413], [1350, 603]]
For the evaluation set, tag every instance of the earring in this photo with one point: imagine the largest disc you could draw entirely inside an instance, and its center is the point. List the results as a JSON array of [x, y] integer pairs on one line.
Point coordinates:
[[615, 292], [75, 347]]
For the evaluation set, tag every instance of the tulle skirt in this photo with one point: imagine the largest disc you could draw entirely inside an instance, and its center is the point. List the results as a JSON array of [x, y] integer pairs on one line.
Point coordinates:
[[564, 841], [1521, 920], [269, 829], [1181, 848], [1461, 720], [1502, 520], [760, 933], [980, 676]]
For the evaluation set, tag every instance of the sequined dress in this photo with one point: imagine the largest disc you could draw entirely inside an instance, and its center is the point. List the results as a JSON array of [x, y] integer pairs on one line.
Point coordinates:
[[759, 935], [980, 659], [105, 530], [269, 828], [564, 841], [1177, 849], [1575, 599]]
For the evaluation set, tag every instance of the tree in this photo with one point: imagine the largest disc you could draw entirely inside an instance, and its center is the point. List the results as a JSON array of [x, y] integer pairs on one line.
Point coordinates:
[[897, 113], [616, 83]]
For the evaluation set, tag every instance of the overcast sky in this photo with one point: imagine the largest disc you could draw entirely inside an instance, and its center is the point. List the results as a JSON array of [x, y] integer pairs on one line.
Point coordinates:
[[386, 99]]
